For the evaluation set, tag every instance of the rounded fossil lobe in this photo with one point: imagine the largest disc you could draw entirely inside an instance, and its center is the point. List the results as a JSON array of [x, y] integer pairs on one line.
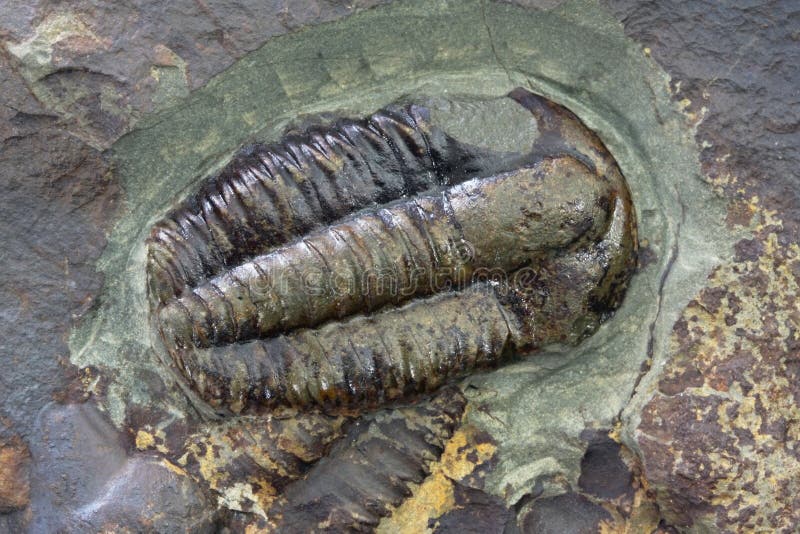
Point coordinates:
[[376, 259]]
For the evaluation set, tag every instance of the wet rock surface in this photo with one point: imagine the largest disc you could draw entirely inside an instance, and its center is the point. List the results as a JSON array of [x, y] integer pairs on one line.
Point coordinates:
[[708, 440]]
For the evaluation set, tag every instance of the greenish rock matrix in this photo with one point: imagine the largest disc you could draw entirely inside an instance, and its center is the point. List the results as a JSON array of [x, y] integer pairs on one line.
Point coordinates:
[[574, 54]]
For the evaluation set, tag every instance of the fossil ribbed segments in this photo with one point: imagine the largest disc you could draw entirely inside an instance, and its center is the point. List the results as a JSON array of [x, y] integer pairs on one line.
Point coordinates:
[[379, 259], [269, 195]]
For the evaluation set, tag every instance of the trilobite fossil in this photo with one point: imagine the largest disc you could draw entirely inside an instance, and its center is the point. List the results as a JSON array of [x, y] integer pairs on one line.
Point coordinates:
[[369, 261]]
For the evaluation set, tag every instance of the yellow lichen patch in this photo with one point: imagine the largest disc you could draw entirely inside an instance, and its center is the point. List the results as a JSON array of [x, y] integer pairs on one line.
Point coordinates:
[[90, 381], [741, 212], [149, 438], [688, 108], [254, 528], [213, 461], [144, 440], [172, 467], [463, 453], [641, 516], [233, 496], [212, 457]]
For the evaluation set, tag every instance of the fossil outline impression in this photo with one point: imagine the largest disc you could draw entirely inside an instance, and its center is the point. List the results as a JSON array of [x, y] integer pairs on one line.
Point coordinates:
[[369, 261]]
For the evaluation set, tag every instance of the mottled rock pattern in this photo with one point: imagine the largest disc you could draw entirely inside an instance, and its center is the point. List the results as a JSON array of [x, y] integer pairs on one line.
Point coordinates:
[[14, 475], [248, 464], [454, 489], [720, 436], [611, 495], [73, 79], [100, 67], [371, 470], [718, 427]]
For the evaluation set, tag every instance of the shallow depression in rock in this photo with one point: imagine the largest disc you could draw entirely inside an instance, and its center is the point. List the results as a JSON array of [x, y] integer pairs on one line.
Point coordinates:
[[537, 409]]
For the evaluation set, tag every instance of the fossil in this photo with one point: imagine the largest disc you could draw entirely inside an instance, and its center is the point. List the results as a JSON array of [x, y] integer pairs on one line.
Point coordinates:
[[370, 261]]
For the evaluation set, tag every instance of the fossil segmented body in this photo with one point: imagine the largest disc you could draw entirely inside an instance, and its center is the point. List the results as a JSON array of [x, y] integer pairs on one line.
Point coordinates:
[[269, 195], [376, 260]]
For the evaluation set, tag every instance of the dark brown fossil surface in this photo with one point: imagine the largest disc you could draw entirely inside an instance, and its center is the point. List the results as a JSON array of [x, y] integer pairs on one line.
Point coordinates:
[[371, 470], [374, 260]]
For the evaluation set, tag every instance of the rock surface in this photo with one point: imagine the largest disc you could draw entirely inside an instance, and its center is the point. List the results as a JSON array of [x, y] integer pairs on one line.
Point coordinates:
[[14, 475], [692, 425], [717, 426]]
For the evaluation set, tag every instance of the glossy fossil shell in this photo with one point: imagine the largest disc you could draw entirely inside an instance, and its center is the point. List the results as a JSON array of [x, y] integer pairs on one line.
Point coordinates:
[[377, 259]]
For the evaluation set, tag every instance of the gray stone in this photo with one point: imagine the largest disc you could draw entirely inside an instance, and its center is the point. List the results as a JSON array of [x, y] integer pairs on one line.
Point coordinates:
[[147, 494]]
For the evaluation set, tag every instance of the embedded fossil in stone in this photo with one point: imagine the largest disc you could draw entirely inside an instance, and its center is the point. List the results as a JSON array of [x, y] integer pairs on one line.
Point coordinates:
[[375, 260]]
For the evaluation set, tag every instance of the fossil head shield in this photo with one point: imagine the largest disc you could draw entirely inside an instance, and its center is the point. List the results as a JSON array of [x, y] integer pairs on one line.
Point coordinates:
[[369, 261]]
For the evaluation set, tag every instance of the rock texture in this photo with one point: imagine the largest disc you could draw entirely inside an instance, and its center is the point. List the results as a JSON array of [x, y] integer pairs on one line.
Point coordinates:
[[718, 425], [707, 442], [371, 470], [14, 475]]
